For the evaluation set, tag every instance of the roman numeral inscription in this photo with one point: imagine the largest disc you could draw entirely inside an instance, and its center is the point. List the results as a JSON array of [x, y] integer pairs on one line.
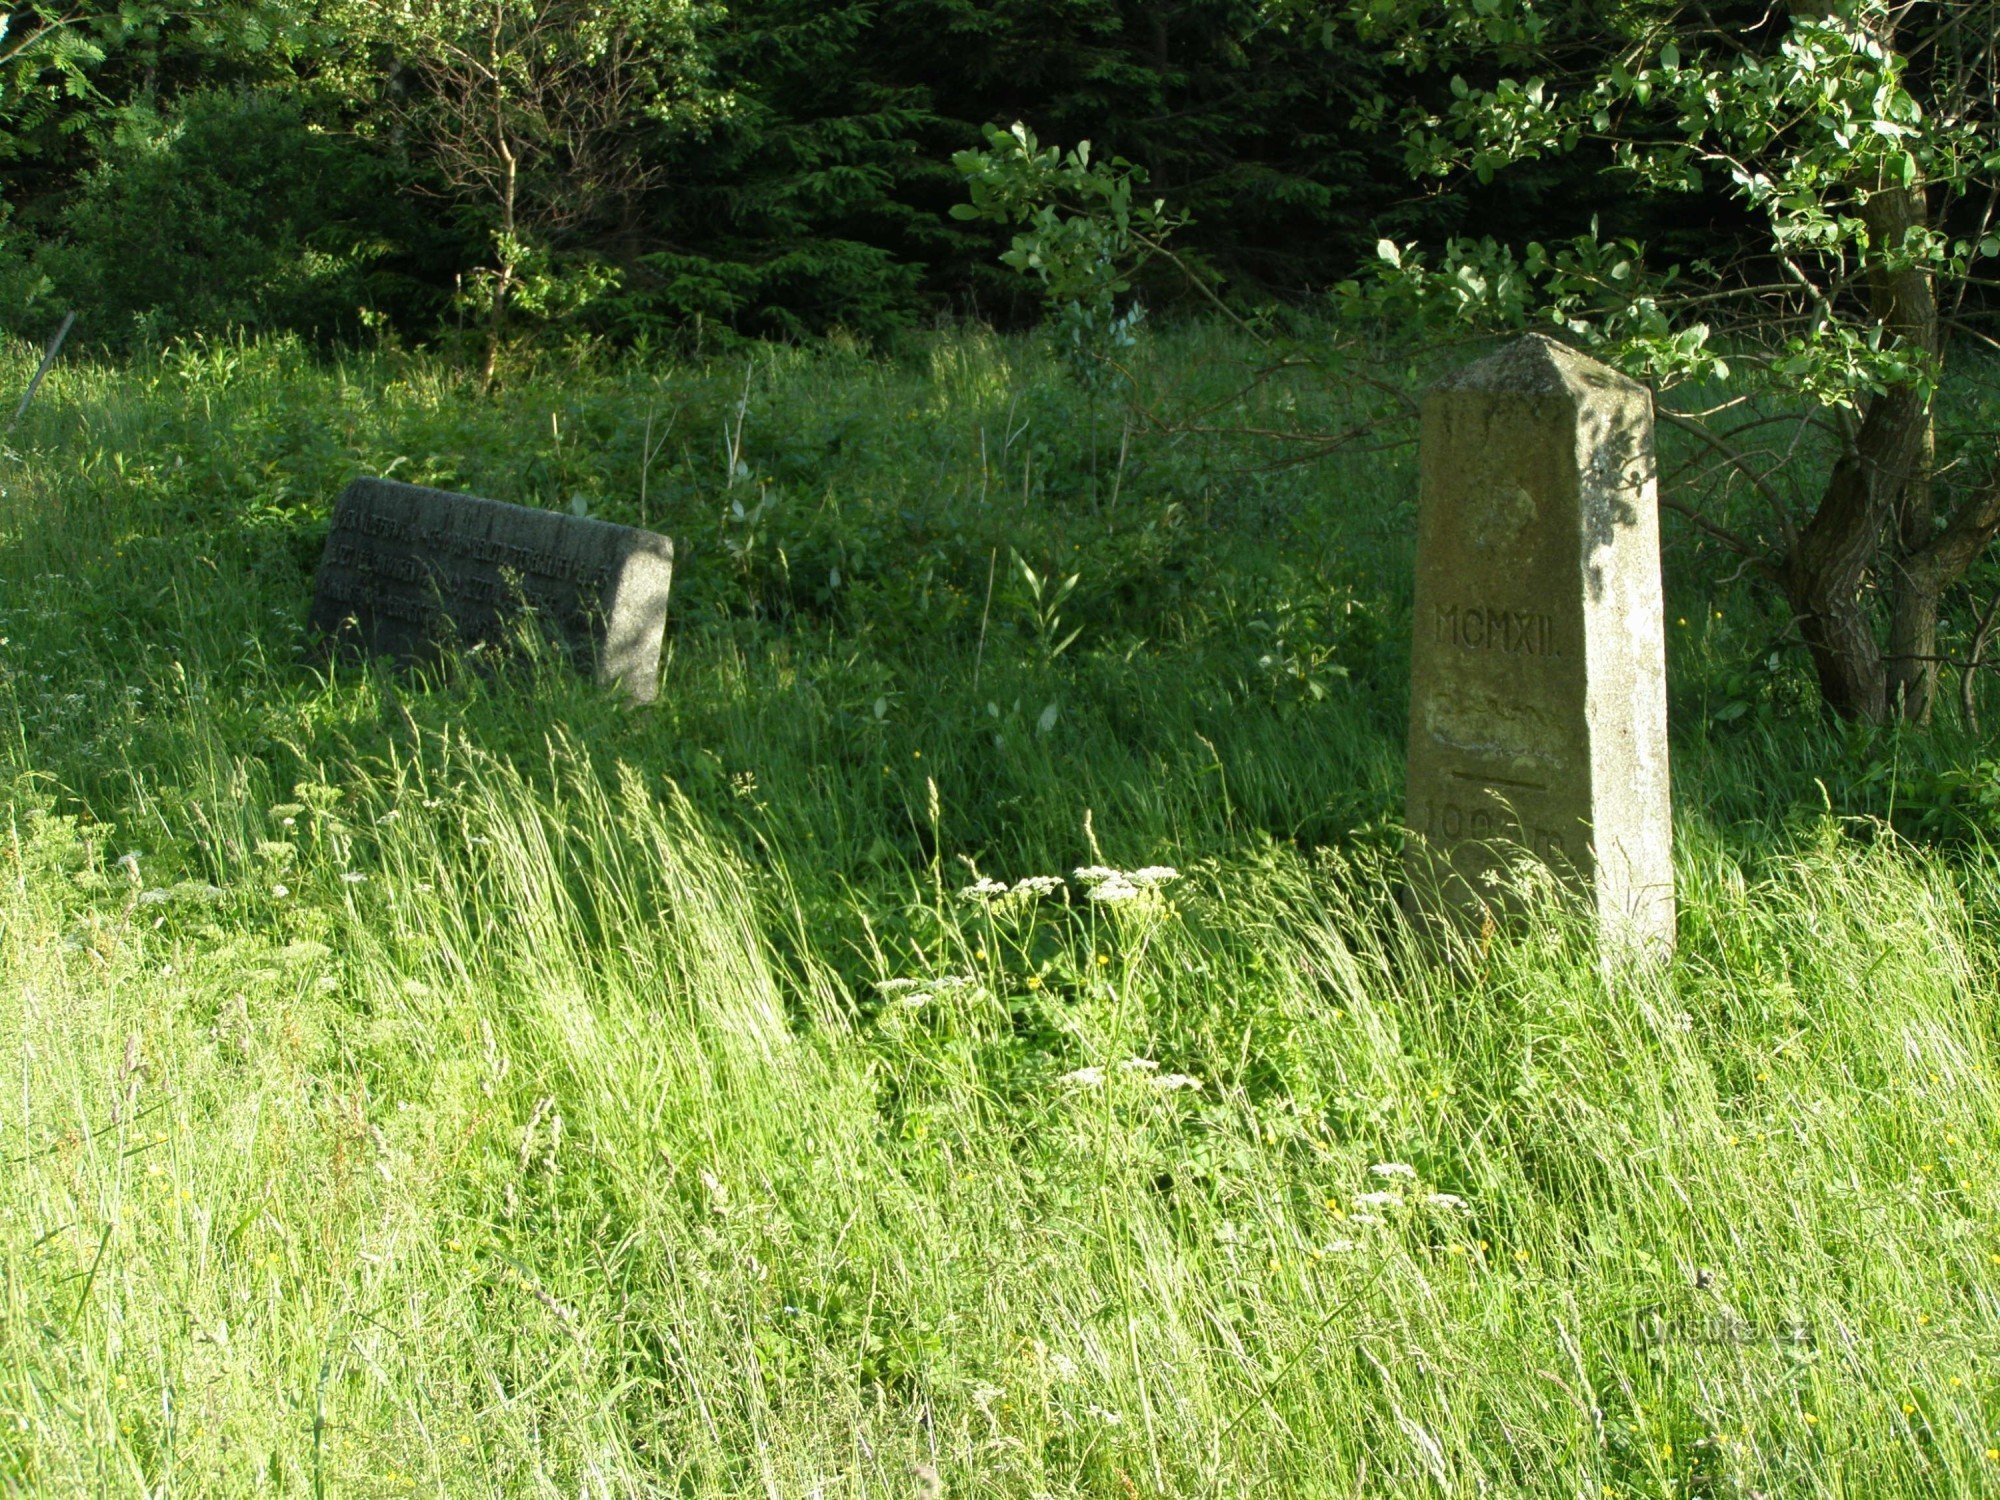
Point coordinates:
[[1538, 684], [1508, 631], [409, 571]]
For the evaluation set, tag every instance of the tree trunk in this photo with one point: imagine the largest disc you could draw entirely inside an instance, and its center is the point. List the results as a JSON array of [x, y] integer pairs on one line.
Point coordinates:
[[1826, 575], [1878, 498], [509, 202], [503, 271], [1916, 587], [496, 327], [1884, 478]]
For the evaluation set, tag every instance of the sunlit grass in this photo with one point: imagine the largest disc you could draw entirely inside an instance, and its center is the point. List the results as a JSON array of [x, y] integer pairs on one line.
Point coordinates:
[[472, 1086]]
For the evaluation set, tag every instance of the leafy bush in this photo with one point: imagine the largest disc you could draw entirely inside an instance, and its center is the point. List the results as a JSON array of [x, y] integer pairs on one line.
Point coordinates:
[[21, 285], [229, 208]]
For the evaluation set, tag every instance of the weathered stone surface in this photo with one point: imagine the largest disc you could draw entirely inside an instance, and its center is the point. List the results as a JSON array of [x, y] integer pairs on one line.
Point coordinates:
[[1538, 716], [409, 570]]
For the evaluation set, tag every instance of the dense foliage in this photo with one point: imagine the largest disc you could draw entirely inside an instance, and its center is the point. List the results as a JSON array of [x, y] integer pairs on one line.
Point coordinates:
[[1827, 350], [1860, 141], [783, 168]]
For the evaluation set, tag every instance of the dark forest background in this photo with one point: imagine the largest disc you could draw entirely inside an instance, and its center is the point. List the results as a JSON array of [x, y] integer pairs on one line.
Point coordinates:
[[271, 166]]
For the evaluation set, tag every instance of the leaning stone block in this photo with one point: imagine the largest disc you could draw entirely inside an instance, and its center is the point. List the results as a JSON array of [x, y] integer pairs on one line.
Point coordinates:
[[409, 570]]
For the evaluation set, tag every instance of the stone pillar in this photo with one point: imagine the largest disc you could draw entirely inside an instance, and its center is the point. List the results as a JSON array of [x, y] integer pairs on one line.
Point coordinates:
[[1538, 710]]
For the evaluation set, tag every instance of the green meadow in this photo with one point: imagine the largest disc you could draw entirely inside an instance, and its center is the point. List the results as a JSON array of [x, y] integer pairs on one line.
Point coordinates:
[[961, 1040]]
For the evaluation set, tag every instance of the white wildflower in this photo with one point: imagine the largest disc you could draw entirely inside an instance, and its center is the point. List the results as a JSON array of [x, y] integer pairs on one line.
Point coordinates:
[[1038, 885], [889, 989], [352, 877], [1394, 1169], [1138, 1065], [281, 891], [1378, 1200], [1086, 1077], [1114, 890], [1342, 1247], [1176, 1081], [1444, 1200], [990, 890], [1102, 883], [1103, 877], [1367, 1221]]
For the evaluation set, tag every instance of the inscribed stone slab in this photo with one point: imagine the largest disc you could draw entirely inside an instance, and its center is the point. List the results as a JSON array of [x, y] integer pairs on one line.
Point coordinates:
[[1538, 717], [408, 570]]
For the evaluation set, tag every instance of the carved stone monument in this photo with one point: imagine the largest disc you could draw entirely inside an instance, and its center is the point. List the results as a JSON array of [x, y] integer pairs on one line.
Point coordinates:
[[1538, 711], [409, 570]]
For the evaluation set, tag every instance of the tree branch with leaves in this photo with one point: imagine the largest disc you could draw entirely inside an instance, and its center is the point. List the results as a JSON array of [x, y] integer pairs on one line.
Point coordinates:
[[1862, 138], [542, 119]]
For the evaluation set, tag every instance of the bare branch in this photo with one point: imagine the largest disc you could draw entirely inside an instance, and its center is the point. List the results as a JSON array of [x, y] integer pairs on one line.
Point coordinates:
[[1742, 546], [1741, 463]]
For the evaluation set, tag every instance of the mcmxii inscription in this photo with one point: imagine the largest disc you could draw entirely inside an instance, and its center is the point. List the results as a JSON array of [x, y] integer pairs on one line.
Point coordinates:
[[1538, 709], [409, 570]]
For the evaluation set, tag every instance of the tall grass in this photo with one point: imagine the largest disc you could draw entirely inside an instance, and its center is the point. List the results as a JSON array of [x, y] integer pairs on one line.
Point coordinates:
[[469, 1085]]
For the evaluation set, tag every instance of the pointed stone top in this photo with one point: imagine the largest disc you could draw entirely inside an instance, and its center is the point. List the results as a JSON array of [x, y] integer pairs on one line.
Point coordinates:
[[1536, 365]]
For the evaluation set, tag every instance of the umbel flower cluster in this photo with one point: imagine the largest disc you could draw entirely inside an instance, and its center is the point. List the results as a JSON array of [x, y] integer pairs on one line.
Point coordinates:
[[1093, 1076], [1097, 882]]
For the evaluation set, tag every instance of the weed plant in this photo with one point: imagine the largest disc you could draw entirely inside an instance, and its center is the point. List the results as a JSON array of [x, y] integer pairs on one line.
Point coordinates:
[[958, 1041]]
